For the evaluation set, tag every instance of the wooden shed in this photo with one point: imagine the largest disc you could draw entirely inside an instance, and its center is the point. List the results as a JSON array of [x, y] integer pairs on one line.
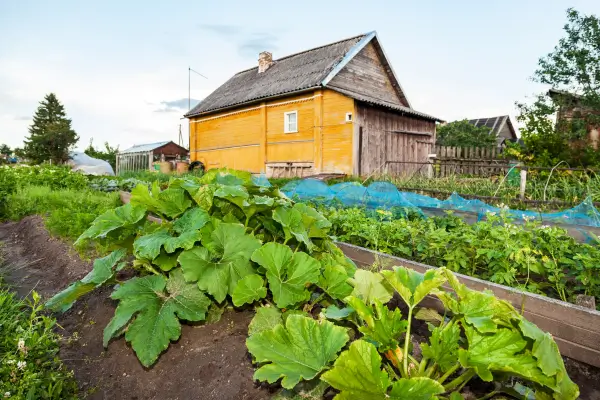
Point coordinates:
[[142, 156], [337, 108]]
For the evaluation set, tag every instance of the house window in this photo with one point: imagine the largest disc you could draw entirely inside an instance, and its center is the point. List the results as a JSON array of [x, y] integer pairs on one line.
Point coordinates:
[[348, 117], [290, 122]]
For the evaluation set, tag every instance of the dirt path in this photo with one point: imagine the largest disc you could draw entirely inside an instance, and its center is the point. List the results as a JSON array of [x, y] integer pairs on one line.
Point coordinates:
[[208, 362]]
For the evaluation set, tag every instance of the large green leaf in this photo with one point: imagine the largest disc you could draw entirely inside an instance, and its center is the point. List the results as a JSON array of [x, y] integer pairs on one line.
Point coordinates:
[[222, 262], [249, 289], [184, 241], [288, 273], [312, 390], [171, 202], [357, 374], [204, 197], [192, 220], [334, 281], [300, 350], [157, 312], [416, 389], [291, 222], [257, 204], [489, 351], [383, 326], [148, 246], [237, 195], [266, 318], [370, 286], [166, 261], [443, 345], [413, 286], [314, 222], [103, 270], [111, 220]]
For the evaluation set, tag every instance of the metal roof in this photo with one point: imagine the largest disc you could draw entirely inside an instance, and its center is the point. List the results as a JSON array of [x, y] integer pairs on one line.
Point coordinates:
[[140, 148]]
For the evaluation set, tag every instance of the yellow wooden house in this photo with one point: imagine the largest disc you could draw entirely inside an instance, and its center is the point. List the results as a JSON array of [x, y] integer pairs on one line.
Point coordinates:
[[337, 108]]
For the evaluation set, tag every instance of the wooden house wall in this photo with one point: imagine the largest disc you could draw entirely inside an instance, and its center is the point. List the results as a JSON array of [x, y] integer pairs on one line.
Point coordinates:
[[366, 75], [253, 137], [337, 134], [383, 136]]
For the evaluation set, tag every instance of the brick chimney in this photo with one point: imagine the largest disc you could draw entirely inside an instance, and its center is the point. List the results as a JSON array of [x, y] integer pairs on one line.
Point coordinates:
[[265, 60]]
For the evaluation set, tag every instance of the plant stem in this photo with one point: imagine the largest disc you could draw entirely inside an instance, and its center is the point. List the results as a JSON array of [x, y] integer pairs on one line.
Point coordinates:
[[489, 395], [407, 340], [448, 373], [423, 365], [461, 380]]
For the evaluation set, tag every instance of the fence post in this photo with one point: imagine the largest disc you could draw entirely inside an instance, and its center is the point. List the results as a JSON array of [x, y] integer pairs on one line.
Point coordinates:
[[523, 183]]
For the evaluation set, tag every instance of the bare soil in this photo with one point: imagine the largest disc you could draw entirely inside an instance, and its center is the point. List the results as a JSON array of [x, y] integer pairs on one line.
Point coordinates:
[[208, 362]]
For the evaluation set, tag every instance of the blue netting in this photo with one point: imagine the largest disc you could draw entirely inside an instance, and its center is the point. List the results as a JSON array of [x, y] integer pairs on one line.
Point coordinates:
[[385, 195]]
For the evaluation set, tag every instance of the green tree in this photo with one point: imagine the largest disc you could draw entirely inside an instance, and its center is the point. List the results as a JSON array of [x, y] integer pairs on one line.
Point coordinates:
[[109, 154], [5, 150], [573, 69], [464, 134], [50, 136]]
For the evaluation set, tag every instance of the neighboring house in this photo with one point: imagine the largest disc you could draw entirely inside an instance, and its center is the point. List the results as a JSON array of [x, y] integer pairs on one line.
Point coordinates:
[[337, 108], [570, 108], [142, 156], [501, 127]]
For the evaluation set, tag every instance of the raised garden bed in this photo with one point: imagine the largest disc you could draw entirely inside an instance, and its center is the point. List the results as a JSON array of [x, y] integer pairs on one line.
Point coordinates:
[[576, 329]]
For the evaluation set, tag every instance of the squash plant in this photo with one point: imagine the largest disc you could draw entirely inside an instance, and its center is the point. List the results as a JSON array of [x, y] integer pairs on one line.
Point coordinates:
[[225, 238]]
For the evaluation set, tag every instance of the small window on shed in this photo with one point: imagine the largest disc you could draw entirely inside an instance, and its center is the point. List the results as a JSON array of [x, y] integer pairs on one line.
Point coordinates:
[[348, 117], [290, 122]]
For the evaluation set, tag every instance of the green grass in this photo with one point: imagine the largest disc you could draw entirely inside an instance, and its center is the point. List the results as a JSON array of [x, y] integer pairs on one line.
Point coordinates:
[[29, 363], [150, 176], [66, 212]]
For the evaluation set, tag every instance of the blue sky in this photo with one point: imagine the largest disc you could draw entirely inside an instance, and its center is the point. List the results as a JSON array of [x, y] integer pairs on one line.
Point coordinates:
[[120, 67]]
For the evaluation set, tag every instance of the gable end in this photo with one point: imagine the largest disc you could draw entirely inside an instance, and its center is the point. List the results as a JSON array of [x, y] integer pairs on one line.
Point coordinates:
[[368, 73]]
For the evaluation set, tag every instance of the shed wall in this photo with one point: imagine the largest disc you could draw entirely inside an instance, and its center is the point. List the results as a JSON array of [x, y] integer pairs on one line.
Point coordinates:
[[391, 142]]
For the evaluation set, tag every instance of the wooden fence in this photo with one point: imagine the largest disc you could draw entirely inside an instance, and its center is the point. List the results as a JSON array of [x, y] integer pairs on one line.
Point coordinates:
[[477, 161]]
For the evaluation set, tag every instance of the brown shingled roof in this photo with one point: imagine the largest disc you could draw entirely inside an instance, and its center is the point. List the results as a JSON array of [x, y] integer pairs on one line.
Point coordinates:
[[296, 73]]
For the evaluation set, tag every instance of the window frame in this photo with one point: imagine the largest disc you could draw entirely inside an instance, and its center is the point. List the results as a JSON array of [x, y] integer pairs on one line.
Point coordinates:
[[349, 117], [286, 124]]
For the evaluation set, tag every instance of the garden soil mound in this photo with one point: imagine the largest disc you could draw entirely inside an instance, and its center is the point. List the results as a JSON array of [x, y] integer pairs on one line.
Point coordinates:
[[209, 361]]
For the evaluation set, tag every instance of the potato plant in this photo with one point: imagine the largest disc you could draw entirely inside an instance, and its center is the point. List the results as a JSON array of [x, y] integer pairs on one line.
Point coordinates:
[[225, 239]]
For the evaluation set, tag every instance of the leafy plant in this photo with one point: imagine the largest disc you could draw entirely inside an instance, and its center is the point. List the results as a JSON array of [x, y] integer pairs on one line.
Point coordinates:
[[220, 239], [223, 238]]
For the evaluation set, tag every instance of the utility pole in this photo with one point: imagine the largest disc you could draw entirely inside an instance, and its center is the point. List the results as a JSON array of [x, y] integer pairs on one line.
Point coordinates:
[[190, 70]]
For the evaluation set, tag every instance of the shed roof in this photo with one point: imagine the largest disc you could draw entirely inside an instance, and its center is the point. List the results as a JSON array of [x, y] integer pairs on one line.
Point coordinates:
[[298, 72], [496, 124], [139, 148]]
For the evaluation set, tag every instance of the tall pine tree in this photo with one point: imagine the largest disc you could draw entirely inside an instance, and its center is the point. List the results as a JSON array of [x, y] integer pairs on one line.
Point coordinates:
[[50, 135]]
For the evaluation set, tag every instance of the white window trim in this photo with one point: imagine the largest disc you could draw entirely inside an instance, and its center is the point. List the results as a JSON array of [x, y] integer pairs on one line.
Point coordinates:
[[286, 125], [349, 117]]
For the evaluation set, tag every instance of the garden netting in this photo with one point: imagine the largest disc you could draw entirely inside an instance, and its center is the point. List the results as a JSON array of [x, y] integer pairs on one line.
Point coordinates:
[[384, 195]]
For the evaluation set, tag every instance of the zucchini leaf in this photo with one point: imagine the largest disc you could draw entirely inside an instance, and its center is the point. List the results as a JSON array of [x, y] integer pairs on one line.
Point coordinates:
[[357, 375], [157, 304], [266, 318], [383, 327], [249, 289], [413, 286], [370, 286], [288, 273], [443, 345], [120, 217], [103, 270], [300, 350], [222, 262], [334, 281]]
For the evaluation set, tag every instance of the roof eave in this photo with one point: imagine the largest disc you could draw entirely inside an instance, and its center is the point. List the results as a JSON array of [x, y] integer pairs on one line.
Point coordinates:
[[250, 102]]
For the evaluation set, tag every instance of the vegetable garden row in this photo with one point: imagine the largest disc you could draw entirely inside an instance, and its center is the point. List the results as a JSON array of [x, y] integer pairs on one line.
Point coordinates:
[[223, 239]]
